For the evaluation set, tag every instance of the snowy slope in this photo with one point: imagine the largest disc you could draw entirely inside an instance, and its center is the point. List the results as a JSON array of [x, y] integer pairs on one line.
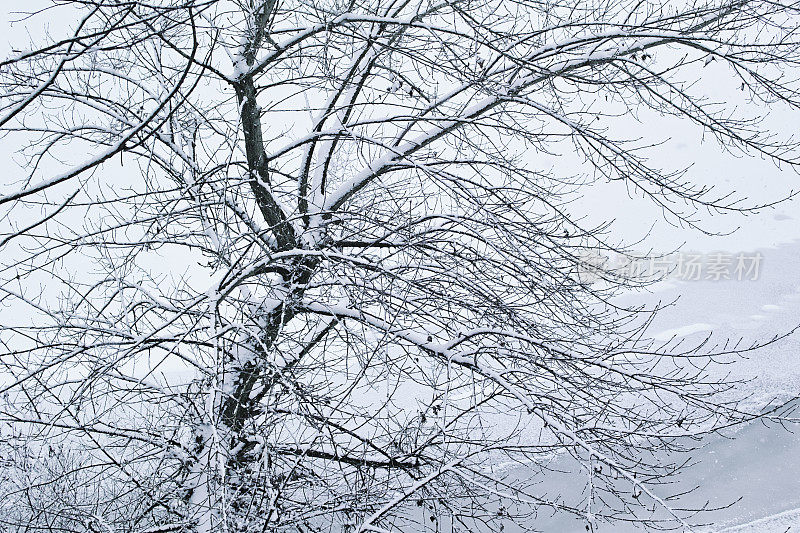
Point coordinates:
[[785, 522]]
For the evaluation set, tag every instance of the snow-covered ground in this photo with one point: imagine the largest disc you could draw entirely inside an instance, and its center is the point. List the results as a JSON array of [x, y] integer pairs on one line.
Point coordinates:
[[754, 311], [785, 522], [749, 478], [751, 474], [760, 463]]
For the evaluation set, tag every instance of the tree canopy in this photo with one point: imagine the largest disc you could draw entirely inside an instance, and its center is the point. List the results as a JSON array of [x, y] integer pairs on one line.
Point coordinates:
[[310, 266]]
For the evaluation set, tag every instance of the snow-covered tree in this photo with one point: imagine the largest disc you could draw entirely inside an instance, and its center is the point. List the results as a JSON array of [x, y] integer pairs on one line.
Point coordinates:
[[312, 265]]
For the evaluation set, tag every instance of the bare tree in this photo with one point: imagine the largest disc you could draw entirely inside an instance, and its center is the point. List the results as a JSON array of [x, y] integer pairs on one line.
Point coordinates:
[[302, 265]]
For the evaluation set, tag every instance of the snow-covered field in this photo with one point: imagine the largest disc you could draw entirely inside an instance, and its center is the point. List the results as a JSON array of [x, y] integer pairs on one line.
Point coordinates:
[[751, 474], [761, 463], [754, 311], [785, 522]]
